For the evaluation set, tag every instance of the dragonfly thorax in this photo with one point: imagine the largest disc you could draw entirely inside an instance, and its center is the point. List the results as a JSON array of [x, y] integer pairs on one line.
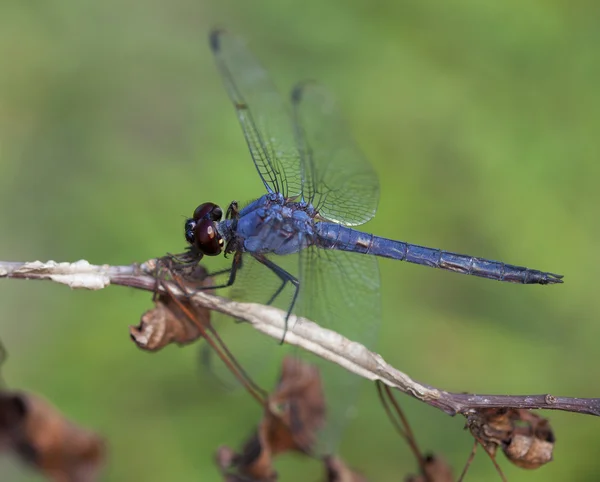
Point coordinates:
[[270, 224]]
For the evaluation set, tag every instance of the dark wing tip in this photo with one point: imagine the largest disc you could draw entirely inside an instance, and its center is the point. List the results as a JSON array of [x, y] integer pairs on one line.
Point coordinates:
[[214, 38], [296, 94], [298, 90]]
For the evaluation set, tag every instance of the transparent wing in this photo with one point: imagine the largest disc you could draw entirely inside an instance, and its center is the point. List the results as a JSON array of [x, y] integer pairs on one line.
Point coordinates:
[[351, 307], [340, 291], [259, 355], [338, 180], [263, 114]]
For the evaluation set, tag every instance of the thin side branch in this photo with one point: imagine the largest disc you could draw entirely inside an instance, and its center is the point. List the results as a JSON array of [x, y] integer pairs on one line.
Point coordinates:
[[301, 332]]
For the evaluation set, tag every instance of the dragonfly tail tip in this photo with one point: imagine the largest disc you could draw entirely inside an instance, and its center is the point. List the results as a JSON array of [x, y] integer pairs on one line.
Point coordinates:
[[555, 278]]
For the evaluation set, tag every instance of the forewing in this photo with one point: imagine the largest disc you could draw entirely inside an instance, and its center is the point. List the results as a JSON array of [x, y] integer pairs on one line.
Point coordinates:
[[340, 291], [263, 114], [338, 179]]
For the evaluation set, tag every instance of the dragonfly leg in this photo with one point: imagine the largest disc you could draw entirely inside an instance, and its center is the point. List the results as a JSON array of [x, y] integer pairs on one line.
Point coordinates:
[[219, 273], [233, 211], [285, 278], [188, 259], [235, 266]]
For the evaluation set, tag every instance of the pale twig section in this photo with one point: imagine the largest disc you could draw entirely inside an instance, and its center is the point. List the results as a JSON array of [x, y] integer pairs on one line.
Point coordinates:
[[301, 332]]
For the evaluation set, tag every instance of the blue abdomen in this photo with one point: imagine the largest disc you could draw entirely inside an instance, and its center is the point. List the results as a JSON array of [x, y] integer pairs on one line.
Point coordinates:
[[335, 236]]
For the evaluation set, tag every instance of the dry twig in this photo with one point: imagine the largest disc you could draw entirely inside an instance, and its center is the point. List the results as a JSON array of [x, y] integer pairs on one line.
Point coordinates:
[[301, 332]]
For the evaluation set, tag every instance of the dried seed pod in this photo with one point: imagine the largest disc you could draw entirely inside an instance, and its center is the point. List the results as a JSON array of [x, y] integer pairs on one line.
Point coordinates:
[[526, 439], [531, 445]]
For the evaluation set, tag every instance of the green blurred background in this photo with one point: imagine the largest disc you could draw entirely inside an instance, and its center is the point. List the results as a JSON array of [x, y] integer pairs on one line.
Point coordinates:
[[481, 119]]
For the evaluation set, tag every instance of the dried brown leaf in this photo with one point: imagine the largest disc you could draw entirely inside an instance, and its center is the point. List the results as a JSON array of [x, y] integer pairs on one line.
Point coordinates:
[[296, 409], [338, 471], [166, 323], [226, 459], [435, 469], [36, 431], [293, 415]]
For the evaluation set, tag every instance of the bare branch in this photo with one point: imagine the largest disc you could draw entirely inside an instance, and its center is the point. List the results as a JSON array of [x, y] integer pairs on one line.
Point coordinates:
[[301, 332]]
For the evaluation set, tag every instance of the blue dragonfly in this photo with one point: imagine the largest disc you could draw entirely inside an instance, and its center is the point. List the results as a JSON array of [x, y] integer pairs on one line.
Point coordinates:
[[318, 186], [300, 234]]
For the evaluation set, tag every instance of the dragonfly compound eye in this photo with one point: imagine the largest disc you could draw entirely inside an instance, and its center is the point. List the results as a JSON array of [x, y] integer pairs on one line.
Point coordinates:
[[208, 211], [207, 238]]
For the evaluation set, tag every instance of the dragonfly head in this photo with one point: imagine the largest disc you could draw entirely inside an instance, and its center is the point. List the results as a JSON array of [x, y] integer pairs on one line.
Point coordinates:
[[201, 229]]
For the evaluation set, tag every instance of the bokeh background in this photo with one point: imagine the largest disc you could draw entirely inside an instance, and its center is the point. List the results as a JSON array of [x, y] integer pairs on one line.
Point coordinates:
[[481, 119]]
